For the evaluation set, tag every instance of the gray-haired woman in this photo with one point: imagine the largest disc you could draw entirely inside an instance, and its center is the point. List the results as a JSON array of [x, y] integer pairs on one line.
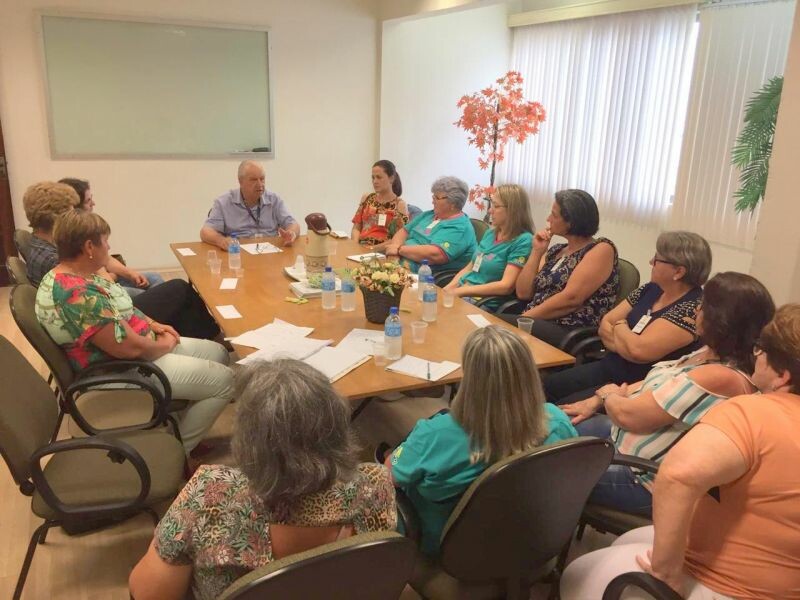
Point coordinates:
[[443, 236], [656, 322], [297, 485]]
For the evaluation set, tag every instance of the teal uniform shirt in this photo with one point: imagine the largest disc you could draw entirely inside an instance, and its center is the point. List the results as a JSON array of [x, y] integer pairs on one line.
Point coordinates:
[[455, 236], [491, 259], [432, 466]]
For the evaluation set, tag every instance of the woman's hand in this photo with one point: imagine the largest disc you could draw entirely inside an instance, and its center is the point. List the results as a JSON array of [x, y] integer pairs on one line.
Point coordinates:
[[612, 388], [380, 247], [673, 580], [583, 409], [160, 328], [541, 240], [166, 341], [139, 280], [392, 249]]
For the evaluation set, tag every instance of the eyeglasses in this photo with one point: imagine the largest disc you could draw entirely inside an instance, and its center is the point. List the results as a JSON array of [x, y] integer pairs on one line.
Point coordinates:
[[435, 197], [655, 260]]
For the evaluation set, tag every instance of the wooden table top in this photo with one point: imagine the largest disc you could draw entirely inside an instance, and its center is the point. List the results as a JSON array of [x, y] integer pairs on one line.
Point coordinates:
[[260, 296]]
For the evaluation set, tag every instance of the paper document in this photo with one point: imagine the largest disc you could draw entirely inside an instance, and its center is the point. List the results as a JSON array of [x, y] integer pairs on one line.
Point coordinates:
[[266, 336], [479, 320], [301, 289], [228, 311], [335, 363], [423, 369], [261, 248], [299, 348], [338, 233], [360, 340], [228, 283], [295, 274], [186, 252], [360, 257]]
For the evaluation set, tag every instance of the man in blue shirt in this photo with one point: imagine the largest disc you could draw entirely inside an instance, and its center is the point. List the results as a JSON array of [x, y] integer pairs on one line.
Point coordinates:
[[249, 211]]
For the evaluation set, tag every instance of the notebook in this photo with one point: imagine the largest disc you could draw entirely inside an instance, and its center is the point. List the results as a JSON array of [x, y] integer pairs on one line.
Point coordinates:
[[423, 369], [335, 363], [299, 348], [301, 289]]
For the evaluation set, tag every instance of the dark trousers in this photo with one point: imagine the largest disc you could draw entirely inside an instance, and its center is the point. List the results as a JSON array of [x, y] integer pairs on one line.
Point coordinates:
[[545, 330], [177, 303], [576, 383]]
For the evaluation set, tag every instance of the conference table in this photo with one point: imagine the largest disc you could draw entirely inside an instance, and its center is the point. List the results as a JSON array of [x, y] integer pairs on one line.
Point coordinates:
[[261, 296]]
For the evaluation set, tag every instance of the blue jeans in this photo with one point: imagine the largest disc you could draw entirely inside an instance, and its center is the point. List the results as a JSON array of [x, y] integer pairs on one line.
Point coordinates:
[[618, 488], [597, 426]]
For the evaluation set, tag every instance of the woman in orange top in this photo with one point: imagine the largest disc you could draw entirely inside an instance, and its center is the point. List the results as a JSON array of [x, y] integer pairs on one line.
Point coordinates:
[[727, 497], [381, 213]]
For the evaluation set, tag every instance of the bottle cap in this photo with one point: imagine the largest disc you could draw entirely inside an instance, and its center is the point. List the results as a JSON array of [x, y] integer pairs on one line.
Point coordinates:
[[393, 310], [424, 261], [328, 269]]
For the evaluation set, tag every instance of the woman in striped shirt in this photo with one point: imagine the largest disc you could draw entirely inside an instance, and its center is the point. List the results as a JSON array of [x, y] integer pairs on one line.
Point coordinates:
[[649, 417]]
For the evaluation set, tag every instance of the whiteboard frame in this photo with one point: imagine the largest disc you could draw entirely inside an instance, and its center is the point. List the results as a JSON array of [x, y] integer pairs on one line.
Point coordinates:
[[40, 14]]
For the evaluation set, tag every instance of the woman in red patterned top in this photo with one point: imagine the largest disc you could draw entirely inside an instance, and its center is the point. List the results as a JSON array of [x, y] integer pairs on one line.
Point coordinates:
[[381, 213]]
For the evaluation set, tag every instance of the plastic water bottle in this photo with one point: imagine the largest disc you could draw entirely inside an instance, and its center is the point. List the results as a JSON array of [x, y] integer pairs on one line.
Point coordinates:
[[234, 253], [429, 300], [393, 335], [423, 272], [328, 289], [348, 294]]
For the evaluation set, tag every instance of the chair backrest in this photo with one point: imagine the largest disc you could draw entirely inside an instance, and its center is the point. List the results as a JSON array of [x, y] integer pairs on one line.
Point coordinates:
[[413, 211], [23, 302], [28, 414], [480, 226], [628, 279], [22, 240], [370, 566], [521, 512], [17, 270]]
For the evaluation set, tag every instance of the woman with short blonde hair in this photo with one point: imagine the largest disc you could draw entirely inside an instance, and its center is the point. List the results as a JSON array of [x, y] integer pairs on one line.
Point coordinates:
[[499, 411], [501, 253]]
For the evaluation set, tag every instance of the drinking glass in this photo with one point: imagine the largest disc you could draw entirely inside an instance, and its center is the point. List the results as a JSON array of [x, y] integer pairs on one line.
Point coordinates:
[[212, 255], [418, 330], [379, 352], [525, 323], [448, 298], [215, 265]]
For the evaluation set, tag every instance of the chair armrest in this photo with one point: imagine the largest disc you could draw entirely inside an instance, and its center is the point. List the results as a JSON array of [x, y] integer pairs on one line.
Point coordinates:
[[512, 307], [644, 581], [635, 462], [118, 451], [97, 382], [144, 367], [575, 336], [503, 300], [442, 278], [407, 512]]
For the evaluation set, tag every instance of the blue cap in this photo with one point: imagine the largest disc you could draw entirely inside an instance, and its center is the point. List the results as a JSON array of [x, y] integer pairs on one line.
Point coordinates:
[[393, 310], [328, 269], [424, 261]]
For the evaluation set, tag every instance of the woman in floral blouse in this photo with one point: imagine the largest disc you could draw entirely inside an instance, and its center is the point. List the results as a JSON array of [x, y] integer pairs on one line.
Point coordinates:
[[570, 284], [297, 485], [382, 213]]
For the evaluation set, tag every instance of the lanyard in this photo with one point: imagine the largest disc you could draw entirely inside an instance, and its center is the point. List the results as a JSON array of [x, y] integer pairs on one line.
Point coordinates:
[[256, 217]]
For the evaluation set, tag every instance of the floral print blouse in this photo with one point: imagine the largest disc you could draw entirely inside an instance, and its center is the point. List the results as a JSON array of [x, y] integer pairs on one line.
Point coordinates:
[[72, 309], [221, 528], [553, 277], [379, 222]]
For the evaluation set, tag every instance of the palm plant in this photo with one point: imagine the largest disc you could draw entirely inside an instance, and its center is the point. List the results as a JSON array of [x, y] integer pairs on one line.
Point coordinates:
[[754, 144]]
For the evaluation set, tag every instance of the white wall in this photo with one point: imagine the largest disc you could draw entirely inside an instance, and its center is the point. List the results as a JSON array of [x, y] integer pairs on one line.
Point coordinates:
[[324, 60], [427, 65]]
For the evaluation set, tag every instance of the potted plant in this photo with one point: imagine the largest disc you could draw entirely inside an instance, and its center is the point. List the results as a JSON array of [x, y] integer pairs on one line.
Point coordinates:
[[491, 118], [382, 284]]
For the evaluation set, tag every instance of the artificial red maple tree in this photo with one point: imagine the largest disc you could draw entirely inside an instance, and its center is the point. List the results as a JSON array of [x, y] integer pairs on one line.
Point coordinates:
[[491, 118]]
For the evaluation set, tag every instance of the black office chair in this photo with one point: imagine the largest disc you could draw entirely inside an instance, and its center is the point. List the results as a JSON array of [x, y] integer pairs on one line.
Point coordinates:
[[22, 240], [513, 525], [644, 581], [370, 566], [17, 270]]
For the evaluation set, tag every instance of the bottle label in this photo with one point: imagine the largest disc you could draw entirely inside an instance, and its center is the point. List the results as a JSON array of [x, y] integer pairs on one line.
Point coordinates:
[[393, 330], [348, 286], [328, 286], [429, 296]]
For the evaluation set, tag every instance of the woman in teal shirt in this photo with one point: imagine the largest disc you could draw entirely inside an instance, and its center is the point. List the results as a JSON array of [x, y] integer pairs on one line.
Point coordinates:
[[444, 236], [491, 417], [502, 252]]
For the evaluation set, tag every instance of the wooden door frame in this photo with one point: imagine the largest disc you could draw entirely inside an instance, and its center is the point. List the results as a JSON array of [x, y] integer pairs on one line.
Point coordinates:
[[7, 226]]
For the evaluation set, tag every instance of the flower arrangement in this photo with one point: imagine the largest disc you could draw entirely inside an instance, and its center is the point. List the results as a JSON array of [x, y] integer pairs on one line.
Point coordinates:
[[383, 277], [491, 118]]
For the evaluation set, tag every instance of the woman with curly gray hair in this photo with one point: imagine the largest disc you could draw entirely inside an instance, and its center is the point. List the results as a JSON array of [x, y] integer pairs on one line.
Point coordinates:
[[297, 485], [443, 236]]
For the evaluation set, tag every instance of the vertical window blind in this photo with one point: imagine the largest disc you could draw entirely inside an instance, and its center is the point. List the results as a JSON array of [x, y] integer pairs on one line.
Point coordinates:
[[616, 90], [740, 47]]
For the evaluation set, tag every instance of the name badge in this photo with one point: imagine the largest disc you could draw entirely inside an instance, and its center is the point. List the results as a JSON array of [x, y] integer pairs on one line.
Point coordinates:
[[382, 220], [476, 266], [433, 224], [639, 327]]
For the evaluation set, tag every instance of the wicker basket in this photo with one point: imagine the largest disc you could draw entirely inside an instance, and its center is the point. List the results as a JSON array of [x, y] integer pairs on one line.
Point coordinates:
[[377, 305]]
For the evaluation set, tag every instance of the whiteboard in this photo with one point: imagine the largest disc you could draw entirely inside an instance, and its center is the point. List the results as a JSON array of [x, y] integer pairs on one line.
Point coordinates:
[[130, 89]]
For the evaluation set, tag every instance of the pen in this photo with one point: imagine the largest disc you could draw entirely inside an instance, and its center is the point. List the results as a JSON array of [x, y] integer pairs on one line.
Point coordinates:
[[429, 370]]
